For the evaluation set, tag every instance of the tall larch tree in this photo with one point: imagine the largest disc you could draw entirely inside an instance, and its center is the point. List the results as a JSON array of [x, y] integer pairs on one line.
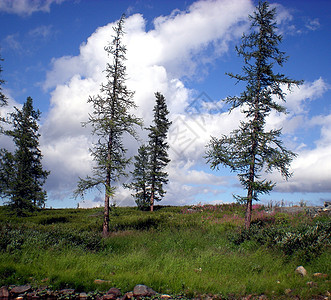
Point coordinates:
[[111, 119], [158, 150], [21, 172], [251, 150], [140, 176]]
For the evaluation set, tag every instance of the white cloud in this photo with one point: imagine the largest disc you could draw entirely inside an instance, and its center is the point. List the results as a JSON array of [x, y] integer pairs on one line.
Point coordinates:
[[11, 41], [42, 31], [312, 167], [156, 61], [180, 44], [5, 141], [308, 91], [313, 24], [26, 7], [311, 172]]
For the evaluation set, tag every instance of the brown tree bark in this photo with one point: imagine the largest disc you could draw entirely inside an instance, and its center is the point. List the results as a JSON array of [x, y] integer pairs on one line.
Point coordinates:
[[152, 199]]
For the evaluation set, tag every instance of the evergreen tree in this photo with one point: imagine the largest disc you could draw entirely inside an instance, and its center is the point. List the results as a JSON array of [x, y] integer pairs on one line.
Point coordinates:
[[110, 120], [3, 98], [21, 173], [158, 150], [140, 178], [251, 150]]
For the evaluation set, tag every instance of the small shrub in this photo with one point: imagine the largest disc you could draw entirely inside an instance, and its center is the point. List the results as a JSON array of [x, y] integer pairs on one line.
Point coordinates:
[[307, 240], [53, 220]]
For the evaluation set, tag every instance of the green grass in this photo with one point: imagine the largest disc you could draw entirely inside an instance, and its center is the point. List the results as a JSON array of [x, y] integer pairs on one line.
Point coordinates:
[[174, 250]]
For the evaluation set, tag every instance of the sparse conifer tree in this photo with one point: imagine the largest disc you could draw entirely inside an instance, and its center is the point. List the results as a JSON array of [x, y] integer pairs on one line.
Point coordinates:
[[111, 119], [251, 150]]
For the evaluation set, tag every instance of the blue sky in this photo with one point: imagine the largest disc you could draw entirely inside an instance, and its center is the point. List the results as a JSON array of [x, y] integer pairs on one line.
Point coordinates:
[[53, 51]]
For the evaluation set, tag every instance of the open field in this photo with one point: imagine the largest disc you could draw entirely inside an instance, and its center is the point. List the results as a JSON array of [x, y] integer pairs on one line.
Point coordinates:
[[174, 250]]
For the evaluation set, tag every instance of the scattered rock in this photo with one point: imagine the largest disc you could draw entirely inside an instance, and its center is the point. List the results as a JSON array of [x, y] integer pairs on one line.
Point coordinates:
[[127, 296], [101, 281], [301, 271], [288, 291], [21, 289], [32, 296], [311, 283], [109, 297], [115, 291], [82, 296], [67, 292], [4, 293], [141, 290], [320, 275]]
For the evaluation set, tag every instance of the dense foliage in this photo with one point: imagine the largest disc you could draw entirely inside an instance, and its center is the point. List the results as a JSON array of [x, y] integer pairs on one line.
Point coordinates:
[[251, 150], [149, 175], [158, 150], [21, 173], [140, 175]]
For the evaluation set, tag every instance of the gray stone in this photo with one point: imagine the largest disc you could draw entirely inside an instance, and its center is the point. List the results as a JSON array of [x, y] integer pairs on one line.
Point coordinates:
[[20, 289], [141, 290], [114, 291]]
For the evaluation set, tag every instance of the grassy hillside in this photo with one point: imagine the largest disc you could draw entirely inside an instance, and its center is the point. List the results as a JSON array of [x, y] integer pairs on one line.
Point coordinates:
[[174, 250]]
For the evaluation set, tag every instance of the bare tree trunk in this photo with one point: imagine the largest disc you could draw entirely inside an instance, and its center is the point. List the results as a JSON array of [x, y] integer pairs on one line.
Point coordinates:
[[248, 215], [105, 227], [152, 199]]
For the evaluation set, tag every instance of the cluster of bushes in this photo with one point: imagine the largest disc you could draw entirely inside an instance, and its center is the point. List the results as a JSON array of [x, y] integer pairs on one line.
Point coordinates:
[[307, 241], [13, 238]]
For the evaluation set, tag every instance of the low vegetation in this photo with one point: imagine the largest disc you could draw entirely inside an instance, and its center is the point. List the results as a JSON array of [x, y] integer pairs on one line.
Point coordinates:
[[175, 250]]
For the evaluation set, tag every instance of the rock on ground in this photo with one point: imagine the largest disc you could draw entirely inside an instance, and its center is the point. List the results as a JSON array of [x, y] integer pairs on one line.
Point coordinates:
[[301, 271], [141, 290]]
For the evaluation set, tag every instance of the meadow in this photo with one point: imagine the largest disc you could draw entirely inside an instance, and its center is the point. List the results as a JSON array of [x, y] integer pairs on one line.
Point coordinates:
[[188, 251]]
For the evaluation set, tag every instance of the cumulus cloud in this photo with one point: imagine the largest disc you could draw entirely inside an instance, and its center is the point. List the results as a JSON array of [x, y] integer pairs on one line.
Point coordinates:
[[298, 97], [180, 45], [26, 7], [156, 61], [311, 168]]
